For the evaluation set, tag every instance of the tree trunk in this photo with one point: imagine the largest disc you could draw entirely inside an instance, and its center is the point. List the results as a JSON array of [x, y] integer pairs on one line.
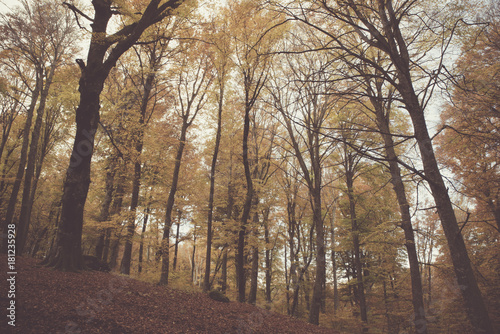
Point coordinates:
[[176, 245], [68, 253], [141, 245], [100, 60], [254, 273], [476, 309], [268, 257], [208, 257], [240, 252], [193, 263], [315, 192], [336, 297], [170, 204], [224, 271], [356, 248]]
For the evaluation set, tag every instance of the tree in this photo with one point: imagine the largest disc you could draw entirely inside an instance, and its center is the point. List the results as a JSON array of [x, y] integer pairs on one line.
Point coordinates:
[[193, 77], [104, 52], [221, 63]]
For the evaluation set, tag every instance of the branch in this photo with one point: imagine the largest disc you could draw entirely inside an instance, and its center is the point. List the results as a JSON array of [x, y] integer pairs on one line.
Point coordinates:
[[76, 11]]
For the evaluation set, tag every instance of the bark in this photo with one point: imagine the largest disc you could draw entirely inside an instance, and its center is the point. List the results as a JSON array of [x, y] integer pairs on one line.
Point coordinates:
[[112, 234], [224, 271], [319, 281], [193, 257], [336, 296]]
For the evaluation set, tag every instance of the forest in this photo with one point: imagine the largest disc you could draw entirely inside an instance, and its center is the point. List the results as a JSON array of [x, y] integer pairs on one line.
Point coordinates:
[[336, 161]]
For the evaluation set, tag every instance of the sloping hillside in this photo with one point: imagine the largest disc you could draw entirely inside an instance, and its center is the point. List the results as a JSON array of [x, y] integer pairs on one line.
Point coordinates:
[[49, 301]]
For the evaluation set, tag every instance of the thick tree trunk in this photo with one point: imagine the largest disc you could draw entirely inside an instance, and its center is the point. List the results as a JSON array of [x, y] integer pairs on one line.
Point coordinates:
[[100, 60], [476, 308], [68, 254]]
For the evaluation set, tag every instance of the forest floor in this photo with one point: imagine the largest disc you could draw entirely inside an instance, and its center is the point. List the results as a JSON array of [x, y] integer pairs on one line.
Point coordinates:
[[49, 301]]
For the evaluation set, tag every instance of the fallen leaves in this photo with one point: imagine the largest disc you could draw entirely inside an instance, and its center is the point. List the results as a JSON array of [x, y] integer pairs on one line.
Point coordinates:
[[50, 301]]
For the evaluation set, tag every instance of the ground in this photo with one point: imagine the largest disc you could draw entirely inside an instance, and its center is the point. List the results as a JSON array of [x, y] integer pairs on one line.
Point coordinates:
[[49, 301]]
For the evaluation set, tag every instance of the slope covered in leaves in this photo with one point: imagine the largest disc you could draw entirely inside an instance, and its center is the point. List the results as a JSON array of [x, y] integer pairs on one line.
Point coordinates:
[[49, 301]]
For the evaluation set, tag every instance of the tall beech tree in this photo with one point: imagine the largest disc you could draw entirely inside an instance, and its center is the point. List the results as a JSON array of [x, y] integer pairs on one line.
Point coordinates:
[[104, 51]]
